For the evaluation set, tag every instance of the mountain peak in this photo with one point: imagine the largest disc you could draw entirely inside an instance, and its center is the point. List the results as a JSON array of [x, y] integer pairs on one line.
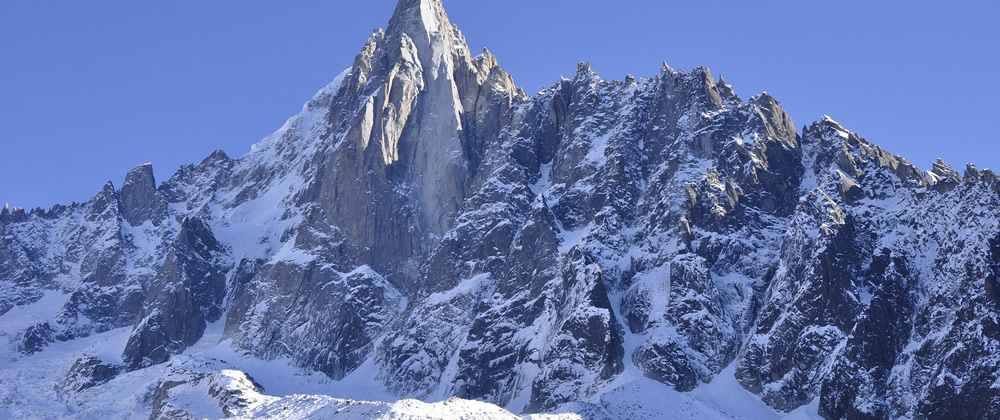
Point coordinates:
[[423, 97], [429, 14], [420, 33], [423, 21]]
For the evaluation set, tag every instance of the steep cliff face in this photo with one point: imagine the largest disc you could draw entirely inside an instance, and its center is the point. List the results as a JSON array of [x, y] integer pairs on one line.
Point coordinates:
[[426, 219]]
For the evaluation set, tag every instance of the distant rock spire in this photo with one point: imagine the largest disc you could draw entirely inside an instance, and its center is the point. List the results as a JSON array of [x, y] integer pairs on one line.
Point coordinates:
[[139, 198], [665, 68]]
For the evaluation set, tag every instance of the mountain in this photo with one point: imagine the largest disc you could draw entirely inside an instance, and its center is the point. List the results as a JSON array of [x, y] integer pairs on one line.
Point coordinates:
[[423, 229]]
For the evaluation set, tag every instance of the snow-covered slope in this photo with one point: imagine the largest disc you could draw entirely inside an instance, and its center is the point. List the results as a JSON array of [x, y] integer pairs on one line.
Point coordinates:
[[423, 230]]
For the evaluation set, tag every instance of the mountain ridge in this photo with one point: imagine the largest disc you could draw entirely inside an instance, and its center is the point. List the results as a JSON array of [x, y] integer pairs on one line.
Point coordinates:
[[424, 216]]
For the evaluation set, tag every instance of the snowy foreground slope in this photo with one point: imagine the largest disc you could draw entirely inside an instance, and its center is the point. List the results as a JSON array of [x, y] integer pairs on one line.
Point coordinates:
[[425, 231], [210, 381]]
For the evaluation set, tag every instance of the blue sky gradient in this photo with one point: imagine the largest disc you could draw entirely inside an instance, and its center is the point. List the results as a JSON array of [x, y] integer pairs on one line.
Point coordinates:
[[88, 90]]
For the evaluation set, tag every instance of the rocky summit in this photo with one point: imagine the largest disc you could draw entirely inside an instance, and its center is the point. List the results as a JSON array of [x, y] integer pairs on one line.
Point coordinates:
[[423, 229]]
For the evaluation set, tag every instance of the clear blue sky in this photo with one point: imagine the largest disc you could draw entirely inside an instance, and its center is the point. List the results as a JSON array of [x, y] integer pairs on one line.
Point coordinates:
[[90, 89]]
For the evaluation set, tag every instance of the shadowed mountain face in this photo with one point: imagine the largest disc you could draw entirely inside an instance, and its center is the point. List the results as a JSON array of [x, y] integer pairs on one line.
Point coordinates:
[[423, 214]]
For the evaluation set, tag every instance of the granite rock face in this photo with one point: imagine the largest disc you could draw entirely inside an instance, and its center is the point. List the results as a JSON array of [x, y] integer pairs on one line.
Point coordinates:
[[422, 214], [185, 296], [139, 200]]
